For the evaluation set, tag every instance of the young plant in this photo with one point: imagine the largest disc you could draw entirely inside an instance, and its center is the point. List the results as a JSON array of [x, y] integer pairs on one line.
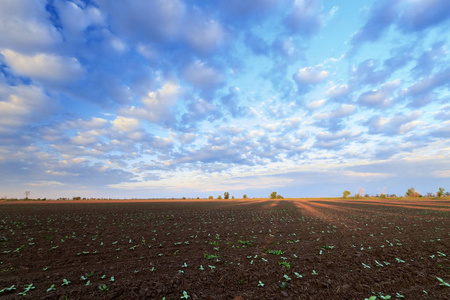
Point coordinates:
[[443, 283], [185, 295], [285, 264], [28, 288], [103, 288], [51, 288], [11, 288], [65, 282], [260, 284]]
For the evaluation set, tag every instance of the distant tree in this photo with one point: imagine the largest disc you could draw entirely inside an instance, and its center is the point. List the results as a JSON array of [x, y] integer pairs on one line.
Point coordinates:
[[210, 197], [27, 193], [366, 195], [345, 194], [220, 197], [447, 194], [431, 195], [184, 198], [232, 197], [273, 195], [198, 197], [76, 198], [440, 193], [280, 197], [383, 196], [245, 196], [412, 193], [226, 195]]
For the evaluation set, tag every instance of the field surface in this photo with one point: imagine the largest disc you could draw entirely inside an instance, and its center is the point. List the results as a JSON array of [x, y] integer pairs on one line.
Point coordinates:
[[227, 249]]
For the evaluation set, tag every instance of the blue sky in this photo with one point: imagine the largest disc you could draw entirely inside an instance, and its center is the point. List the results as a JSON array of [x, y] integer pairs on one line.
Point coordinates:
[[172, 98]]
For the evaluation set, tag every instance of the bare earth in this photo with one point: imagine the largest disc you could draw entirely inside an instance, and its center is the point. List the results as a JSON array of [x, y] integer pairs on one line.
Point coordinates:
[[225, 249]]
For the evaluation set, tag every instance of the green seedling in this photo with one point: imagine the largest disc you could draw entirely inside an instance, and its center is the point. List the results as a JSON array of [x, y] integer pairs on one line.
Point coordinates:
[[103, 288], [65, 282], [10, 289], [51, 288], [185, 295], [298, 275], [287, 277], [260, 283], [283, 285], [284, 264], [28, 288], [314, 273], [443, 283]]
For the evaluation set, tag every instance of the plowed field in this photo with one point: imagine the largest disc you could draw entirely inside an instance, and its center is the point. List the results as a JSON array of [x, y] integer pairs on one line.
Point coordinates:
[[228, 249]]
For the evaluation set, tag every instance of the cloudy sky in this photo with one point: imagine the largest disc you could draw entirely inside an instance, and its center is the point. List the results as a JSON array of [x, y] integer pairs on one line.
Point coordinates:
[[171, 98]]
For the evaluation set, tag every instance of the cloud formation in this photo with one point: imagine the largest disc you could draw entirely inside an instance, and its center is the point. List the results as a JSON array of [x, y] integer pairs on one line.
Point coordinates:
[[172, 98]]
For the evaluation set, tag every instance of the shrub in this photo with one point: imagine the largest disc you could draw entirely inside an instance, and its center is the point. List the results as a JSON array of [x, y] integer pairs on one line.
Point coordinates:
[[412, 193], [345, 194]]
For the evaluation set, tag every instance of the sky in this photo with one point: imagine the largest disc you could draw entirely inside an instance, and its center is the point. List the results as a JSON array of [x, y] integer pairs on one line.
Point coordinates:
[[178, 98]]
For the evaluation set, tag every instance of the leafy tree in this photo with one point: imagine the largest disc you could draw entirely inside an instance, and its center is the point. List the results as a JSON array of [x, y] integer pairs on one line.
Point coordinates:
[[273, 195], [210, 197], [226, 195], [245, 196], [346, 194], [440, 193], [232, 197], [280, 197], [412, 193], [220, 197]]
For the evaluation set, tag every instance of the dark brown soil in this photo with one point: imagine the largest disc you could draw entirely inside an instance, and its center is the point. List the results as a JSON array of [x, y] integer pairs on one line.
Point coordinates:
[[297, 249]]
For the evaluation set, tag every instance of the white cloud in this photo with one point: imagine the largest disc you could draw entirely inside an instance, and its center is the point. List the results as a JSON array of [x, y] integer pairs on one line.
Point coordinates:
[[399, 124], [338, 91], [380, 97], [311, 75], [200, 75], [340, 112], [22, 105], [316, 104], [305, 17], [145, 20], [204, 36], [157, 106], [24, 26], [47, 67], [125, 124], [75, 19]]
